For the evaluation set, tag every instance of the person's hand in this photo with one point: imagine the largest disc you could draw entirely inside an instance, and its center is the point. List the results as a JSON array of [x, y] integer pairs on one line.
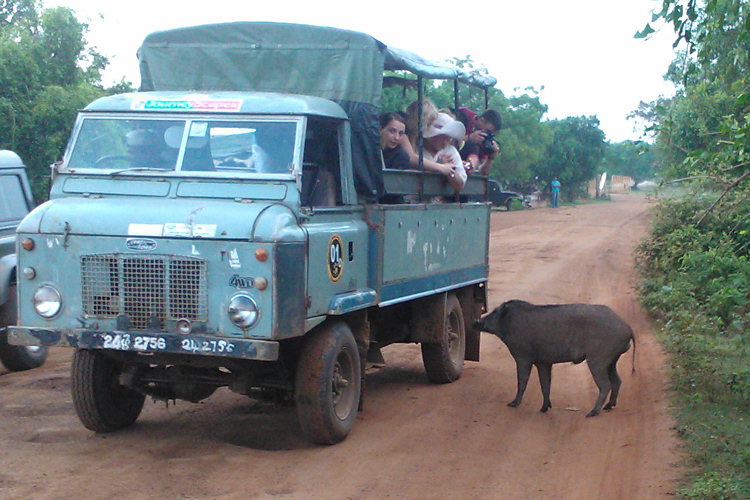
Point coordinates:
[[495, 150], [447, 169], [455, 180], [477, 136], [446, 159]]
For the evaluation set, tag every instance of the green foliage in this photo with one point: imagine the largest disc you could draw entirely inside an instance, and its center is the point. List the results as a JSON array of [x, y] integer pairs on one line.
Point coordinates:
[[695, 264], [573, 155], [695, 280], [636, 159], [48, 73], [705, 129], [524, 139]]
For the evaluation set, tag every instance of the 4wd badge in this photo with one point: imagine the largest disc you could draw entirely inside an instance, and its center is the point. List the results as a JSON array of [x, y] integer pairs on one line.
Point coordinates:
[[335, 261]]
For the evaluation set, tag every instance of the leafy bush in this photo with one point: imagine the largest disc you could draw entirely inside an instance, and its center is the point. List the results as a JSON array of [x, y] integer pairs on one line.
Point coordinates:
[[695, 280]]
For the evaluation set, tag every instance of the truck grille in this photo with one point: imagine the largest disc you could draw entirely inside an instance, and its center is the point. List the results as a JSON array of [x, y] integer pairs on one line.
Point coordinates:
[[148, 289]]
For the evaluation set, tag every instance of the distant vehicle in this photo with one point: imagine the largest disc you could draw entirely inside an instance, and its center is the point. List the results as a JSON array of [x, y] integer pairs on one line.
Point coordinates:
[[500, 198], [15, 203]]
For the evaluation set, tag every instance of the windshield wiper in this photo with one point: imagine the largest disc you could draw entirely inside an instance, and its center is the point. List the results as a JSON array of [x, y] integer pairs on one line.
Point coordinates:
[[140, 169]]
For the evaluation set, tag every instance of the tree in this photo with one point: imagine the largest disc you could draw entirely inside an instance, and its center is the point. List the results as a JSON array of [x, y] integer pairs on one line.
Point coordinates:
[[573, 155], [635, 159], [48, 73], [524, 140], [705, 129]]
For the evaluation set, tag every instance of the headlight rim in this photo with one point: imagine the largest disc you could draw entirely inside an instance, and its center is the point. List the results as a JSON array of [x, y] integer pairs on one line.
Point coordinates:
[[36, 301], [244, 325]]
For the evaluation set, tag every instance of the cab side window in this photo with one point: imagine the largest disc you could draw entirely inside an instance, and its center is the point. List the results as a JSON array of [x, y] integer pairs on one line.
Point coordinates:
[[321, 174]]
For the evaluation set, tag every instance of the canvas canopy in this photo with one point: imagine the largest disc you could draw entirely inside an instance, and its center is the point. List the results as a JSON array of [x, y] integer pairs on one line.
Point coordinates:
[[344, 66]]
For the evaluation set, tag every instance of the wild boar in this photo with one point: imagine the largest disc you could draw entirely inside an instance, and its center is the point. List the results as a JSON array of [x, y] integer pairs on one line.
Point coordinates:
[[544, 335]]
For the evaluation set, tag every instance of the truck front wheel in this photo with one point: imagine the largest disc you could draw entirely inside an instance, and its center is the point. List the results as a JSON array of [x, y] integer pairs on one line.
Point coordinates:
[[102, 404], [444, 360], [328, 383], [17, 357]]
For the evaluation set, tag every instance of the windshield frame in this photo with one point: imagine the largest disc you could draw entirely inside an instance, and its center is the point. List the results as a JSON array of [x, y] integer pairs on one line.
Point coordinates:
[[188, 118]]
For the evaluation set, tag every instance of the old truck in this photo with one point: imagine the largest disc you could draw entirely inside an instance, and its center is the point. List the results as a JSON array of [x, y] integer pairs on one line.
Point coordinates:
[[225, 226], [15, 203]]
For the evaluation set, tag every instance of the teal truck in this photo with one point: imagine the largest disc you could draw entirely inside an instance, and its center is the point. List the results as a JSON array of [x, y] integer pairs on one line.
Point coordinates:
[[15, 203], [226, 226]]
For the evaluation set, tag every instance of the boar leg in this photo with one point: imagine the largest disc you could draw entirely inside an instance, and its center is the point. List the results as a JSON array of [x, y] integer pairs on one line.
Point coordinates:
[[614, 380], [523, 370], [545, 377], [600, 373]]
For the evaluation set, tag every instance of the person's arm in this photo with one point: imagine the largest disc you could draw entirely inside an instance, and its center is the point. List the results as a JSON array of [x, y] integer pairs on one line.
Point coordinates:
[[429, 165], [457, 176], [400, 159], [486, 165]]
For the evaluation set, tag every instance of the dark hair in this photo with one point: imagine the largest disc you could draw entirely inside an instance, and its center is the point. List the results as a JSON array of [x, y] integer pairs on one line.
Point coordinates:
[[494, 118], [460, 114], [389, 116]]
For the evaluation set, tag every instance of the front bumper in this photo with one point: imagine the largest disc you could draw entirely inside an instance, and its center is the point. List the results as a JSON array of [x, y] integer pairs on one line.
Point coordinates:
[[146, 342]]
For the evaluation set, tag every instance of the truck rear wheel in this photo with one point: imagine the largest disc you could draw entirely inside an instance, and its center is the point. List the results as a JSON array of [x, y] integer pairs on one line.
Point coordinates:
[[328, 383], [17, 357], [444, 360], [102, 404]]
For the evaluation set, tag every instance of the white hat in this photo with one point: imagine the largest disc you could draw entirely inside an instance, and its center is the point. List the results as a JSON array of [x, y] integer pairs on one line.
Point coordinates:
[[445, 125]]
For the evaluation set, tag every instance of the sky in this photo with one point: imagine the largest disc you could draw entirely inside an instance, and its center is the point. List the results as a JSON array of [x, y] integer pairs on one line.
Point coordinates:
[[580, 54]]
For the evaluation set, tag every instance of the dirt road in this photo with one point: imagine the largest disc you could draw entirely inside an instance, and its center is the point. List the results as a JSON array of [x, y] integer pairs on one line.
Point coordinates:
[[414, 440]]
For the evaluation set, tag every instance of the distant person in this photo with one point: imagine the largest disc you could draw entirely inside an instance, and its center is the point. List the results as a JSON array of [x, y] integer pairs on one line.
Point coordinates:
[[392, 131], [555, 186], [480, 148]]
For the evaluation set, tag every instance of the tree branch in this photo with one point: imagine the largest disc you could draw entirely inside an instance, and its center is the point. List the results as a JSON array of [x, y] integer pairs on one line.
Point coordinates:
[[728, 188]]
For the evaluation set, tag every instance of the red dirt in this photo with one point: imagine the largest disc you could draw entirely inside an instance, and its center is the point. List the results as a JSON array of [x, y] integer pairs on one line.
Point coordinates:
[[413, 439]]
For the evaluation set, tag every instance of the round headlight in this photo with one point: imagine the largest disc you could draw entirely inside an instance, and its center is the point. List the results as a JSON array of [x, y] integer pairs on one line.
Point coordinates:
[[47, 301], [243, 311]]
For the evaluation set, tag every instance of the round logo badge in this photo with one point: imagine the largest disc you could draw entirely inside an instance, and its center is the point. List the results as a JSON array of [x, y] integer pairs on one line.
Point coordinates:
[[140, 244], [335, 261]]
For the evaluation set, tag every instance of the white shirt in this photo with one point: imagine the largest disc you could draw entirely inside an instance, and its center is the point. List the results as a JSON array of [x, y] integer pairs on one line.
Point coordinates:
[[452, 152]]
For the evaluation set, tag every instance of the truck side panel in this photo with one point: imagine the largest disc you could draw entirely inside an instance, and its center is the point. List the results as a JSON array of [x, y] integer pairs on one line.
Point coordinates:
[[430, 247]]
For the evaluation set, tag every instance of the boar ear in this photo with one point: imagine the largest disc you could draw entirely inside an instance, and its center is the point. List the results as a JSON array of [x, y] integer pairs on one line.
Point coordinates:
[[504, 310]]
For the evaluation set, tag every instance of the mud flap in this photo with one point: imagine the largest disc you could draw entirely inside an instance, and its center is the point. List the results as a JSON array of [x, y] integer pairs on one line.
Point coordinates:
[[360, 326], [473, 304]]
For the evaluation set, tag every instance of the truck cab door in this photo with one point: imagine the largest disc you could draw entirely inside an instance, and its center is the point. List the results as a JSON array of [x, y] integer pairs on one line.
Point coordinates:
[[337, 236]]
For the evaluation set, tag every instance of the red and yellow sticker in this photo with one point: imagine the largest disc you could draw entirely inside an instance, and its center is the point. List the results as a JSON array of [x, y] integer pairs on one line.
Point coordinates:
[[335, 259]]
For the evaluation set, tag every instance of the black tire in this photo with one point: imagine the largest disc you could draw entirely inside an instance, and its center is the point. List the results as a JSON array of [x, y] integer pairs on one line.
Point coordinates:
[[328, 383], [102, 404], [444, 360], [17, 357]]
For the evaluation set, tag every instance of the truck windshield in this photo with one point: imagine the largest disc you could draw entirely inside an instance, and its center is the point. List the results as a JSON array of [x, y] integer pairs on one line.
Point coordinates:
[[208, 145], [12, 201]]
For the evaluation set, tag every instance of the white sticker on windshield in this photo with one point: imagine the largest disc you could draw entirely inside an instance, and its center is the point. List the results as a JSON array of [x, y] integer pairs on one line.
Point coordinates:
[[144, 229], [198, 129]]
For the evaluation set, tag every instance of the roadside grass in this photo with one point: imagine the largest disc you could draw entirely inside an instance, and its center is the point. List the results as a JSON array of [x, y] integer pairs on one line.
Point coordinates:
[[695, 282]]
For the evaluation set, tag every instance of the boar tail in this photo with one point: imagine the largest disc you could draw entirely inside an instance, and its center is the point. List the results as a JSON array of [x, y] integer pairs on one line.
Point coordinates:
[[632, 337]]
